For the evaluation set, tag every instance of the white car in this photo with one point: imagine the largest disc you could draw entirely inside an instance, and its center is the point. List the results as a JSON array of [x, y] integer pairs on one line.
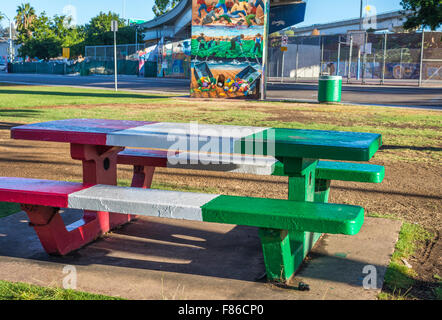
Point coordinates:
[[3, 67]]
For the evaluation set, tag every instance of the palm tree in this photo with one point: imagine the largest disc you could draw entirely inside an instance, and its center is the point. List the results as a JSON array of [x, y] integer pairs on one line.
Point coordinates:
[[25, 17]]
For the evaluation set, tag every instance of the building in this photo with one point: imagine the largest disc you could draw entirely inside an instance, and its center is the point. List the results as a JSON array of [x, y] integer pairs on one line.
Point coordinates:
[[4, 49], [176, 24], [389, 21]]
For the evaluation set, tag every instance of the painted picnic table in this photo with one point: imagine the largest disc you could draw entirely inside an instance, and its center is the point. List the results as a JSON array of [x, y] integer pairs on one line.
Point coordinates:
[[97, 142]]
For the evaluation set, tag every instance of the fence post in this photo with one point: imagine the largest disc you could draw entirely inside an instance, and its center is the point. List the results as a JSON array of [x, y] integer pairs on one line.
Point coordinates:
[[322, 55], [339, 56], [422, 58], [384, 58], [297, 62], [364, 58], [349, 59]]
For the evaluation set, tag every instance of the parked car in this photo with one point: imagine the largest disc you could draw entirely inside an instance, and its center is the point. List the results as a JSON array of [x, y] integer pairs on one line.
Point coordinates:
[[3, 67]]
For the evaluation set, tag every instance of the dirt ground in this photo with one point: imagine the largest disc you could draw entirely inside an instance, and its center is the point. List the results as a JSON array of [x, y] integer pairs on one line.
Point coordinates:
[[409, 191]]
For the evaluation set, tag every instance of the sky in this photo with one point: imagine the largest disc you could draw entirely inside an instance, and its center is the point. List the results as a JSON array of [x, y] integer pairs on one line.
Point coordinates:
[[318, 11]]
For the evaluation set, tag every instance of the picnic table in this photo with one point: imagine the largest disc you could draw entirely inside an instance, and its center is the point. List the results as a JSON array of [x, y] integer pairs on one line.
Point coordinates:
[[287, 228]]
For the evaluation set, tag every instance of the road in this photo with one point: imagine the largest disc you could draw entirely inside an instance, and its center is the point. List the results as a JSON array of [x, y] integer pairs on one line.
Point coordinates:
[[428, 98]]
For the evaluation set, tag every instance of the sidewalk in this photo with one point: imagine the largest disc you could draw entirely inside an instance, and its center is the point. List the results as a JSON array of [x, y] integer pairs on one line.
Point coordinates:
[[160, 259]]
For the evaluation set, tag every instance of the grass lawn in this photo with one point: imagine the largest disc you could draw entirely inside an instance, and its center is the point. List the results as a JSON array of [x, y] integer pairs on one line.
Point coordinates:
[[23, 291], [410, 136], [399, 279], [7, 209]]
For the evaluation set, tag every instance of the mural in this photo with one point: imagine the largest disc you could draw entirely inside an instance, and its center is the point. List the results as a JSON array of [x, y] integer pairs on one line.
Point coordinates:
[[228, 37]]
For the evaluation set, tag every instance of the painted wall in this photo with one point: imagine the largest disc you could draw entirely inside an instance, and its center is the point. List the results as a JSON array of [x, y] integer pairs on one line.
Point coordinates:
[[228, 37]]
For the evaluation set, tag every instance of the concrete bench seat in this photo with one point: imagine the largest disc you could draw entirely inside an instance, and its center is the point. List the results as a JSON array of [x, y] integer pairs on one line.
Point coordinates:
[[272, 216], [326, 170], [256, 212]]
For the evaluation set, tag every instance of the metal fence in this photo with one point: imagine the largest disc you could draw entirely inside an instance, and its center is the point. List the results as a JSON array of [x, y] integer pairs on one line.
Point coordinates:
[[106, 53], [171, 57], [399, 58]]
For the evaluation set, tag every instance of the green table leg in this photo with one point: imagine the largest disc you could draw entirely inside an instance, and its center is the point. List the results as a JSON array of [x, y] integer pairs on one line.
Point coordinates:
[[284, 250], [322, 190]]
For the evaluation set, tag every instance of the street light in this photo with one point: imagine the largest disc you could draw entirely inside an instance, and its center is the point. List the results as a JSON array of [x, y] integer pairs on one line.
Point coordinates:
[[10, 36]]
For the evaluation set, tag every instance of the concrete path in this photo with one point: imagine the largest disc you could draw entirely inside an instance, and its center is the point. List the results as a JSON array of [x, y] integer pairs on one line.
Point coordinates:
[[155, 258]]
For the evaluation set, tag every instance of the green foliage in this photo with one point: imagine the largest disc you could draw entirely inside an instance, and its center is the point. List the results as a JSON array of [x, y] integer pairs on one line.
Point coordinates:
[[7, 209], [44, 37], [163, 6], [23, 291], [398, 278], [25, 20], [426, 13], [98, 31]]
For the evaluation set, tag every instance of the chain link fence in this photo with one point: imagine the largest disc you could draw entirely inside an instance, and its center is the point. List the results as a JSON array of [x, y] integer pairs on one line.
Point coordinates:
[[168, 58], [106, 53], [398, 58]]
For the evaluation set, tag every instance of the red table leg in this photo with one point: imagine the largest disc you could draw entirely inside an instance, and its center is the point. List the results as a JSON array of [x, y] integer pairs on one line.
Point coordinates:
[[99, 167]]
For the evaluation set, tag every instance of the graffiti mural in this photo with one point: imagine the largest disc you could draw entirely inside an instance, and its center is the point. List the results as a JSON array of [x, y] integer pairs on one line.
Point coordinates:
[[228, 38]]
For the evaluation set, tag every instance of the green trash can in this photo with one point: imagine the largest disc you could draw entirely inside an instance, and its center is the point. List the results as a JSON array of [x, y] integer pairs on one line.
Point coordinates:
[[329, 89]]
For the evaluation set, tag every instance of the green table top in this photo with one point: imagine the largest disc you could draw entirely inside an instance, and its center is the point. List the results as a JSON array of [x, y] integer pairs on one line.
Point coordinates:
[[315, 144], [277, 142]]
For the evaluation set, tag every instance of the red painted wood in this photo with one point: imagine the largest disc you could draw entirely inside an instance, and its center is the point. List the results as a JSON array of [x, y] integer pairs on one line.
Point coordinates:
[[100, 167], [38, 192], [52, 232], [58, 136], [142, 157], [142, 177], [80, 131]]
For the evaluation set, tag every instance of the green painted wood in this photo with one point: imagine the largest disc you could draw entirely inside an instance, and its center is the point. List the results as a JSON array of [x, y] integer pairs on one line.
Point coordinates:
[[315, 144], [301, 187], [285, 251], [322, 190], [280, 256], [343, 171], [285, 215]]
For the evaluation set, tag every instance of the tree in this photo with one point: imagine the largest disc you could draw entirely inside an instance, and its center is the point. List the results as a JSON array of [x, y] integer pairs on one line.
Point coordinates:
[[163, 6], [49, 35], [98, 31], [425, 13], [25, 19]]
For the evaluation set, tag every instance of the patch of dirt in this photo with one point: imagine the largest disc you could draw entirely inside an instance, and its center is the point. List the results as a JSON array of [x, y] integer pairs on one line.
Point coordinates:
[[409, 191], [427, 262]]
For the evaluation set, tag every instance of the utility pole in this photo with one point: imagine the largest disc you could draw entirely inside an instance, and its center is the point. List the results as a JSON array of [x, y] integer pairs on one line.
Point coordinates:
[[339, 56], [359, 48], [422, 57], [11, 54], [136, 38]]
